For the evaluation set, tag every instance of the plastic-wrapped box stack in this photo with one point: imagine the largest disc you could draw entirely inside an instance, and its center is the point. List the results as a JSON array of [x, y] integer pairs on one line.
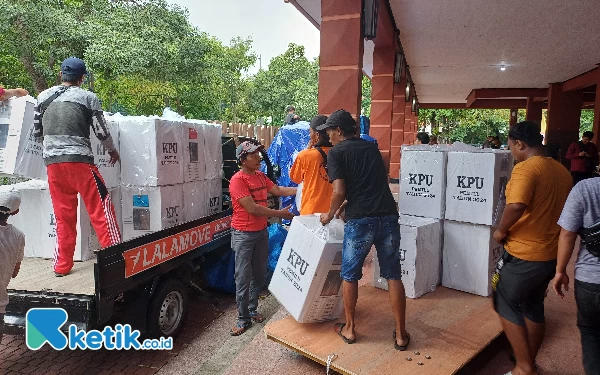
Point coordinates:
[[420, 256], [475, 202], [306, 280], [40, 233], [16, 119]]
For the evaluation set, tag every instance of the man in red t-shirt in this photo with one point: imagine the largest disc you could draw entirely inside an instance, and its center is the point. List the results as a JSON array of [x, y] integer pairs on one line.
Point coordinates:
[[249, 237], [584, 158]]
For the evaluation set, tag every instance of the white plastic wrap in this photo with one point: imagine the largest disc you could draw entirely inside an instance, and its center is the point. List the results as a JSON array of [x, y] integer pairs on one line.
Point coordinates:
[[214, 189], [423, 181], [195, 197], [470, 255], [149, 209], [30, 160], [306, 280], [36, 219], [194, 165], [151, 151], [16, 117], [111, 173], [420, 256], [475, 181], [213, 151]]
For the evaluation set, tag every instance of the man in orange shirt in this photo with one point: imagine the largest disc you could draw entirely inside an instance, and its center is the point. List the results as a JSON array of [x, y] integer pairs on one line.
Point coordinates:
[[309, 168], [535, 196]]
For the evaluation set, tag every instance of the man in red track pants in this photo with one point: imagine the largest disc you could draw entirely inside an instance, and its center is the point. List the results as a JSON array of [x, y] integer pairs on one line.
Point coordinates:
[[63, 119]]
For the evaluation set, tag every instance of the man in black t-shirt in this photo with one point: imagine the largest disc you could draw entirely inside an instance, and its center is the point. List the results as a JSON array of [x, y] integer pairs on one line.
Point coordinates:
[[360, 186]]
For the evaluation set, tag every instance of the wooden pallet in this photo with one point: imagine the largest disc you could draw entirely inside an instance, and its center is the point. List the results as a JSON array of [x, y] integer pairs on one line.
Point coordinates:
[[449, 326]]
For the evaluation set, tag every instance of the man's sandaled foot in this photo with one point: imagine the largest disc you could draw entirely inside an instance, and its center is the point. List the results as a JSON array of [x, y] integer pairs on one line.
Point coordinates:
[[338, 329], [239, 328], [257, 317], [58, 274], [401, 347]]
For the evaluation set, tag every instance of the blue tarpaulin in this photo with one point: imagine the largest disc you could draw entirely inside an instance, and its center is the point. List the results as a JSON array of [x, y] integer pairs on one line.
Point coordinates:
[[288, 142], [367, 137], [365, 124], [219, 271]]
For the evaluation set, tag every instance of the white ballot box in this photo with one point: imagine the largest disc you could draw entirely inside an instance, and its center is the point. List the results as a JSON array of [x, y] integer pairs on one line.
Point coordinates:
[[306, 280]]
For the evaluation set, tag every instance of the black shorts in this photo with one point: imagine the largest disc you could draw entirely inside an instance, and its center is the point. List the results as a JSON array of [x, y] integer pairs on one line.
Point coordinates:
[[521, 289]]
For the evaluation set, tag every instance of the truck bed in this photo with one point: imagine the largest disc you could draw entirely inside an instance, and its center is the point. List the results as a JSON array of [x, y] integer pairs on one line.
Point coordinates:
[[36, 275]]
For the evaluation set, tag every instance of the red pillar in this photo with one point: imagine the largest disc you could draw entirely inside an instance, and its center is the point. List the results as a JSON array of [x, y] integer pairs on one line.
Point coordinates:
[[409, 134], [533, 111], [596, 128], [341, 57], [382, 92], [564, 116], [514, 115], [397, 127]]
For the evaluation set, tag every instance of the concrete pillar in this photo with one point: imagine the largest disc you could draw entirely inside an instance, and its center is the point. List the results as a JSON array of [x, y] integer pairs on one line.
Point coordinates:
[[564, 116], [514, 115], [533, 111], [596, 128], [397, 128], [382, 93], [341, 57]]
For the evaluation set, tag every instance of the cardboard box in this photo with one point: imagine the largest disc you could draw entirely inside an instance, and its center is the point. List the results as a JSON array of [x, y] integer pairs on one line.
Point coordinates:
[[16, 117], [152, 151], [195, 203], [214, 190], [111, 173], [306, 280], [470, 256], [148, 209], [213, 151], [423, 183], [475, 186], [30, 159], [193, 155], [420, 256], [37, 220]]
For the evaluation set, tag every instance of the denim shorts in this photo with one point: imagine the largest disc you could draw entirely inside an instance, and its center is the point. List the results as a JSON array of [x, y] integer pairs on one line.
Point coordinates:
[[360, 235]]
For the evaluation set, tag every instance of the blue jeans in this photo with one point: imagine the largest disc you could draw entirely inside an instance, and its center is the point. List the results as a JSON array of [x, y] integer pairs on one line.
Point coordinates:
[[360, 235]]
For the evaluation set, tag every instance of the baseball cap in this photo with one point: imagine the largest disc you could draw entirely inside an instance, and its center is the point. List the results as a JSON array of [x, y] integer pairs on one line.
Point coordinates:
[[9, 201], [73, 65], [317, 121], [339, 119], [246, 148], [290, 108]]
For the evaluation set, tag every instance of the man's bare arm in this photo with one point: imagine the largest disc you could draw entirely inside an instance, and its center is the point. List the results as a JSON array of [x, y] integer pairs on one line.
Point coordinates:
[[258, 210]]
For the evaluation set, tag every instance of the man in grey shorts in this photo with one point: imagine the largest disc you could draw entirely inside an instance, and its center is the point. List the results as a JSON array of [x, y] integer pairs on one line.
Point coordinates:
[[249, 237], [582, 211], [535, 195]]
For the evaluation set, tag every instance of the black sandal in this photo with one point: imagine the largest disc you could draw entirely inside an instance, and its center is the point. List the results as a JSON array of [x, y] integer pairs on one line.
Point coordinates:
[[403, 347], [340, 326]]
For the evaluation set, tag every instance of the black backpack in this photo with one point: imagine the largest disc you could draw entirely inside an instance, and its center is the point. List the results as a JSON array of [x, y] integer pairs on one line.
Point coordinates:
[[590, 237]]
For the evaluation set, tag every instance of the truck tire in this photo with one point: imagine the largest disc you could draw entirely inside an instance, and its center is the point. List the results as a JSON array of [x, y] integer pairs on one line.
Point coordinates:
[[167, 309]]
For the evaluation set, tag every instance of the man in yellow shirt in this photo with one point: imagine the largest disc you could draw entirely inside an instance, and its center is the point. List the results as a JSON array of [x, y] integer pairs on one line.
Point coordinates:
[[535, 196], [310, 169]]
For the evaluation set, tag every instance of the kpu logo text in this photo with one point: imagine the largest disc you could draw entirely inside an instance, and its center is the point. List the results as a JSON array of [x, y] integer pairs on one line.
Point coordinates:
[[43, 325]]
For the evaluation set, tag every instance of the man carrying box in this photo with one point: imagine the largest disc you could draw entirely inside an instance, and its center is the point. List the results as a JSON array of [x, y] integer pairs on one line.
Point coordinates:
[[358, 174], [249, 236], [535, 196], [64, 116]]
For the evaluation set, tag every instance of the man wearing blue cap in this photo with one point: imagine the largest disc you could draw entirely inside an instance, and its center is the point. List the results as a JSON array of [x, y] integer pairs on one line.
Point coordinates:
[[64, 116]]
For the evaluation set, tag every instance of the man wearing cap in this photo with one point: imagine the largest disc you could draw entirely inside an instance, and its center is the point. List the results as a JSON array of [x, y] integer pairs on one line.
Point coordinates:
[[309, 168], [249, 237], [359, 177], [12, 248], [64, 116]]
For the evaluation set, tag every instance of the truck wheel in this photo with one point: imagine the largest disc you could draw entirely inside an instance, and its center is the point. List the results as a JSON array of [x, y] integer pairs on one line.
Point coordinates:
[[167, 309]]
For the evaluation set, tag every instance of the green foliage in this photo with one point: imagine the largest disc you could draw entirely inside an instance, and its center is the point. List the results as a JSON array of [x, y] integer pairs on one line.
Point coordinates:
[[470, 126], [366, 96], [587, 121]]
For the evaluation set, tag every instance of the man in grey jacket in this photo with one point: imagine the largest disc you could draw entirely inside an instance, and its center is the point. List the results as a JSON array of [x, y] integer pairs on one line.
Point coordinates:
[[64, 116]]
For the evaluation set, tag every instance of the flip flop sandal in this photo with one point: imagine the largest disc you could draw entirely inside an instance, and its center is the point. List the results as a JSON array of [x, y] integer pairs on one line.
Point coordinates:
[[339, 332], [401, 347], [257, 317]]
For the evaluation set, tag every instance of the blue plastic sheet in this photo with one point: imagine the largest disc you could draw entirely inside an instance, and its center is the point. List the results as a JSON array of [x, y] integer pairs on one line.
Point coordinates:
[[277, 235], [367, 137], [288, 142], [219, 272], [365, 124]]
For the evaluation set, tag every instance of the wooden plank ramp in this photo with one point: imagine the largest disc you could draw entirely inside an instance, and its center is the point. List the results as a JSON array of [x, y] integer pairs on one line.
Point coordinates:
[[450, 326]]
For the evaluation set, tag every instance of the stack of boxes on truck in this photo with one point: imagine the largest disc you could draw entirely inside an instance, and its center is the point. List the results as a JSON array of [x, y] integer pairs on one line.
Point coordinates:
[[463, 189], [169, 173]]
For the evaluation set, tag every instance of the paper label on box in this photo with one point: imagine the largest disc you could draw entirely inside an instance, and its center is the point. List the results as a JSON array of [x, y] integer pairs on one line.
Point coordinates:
[[192, 133]]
